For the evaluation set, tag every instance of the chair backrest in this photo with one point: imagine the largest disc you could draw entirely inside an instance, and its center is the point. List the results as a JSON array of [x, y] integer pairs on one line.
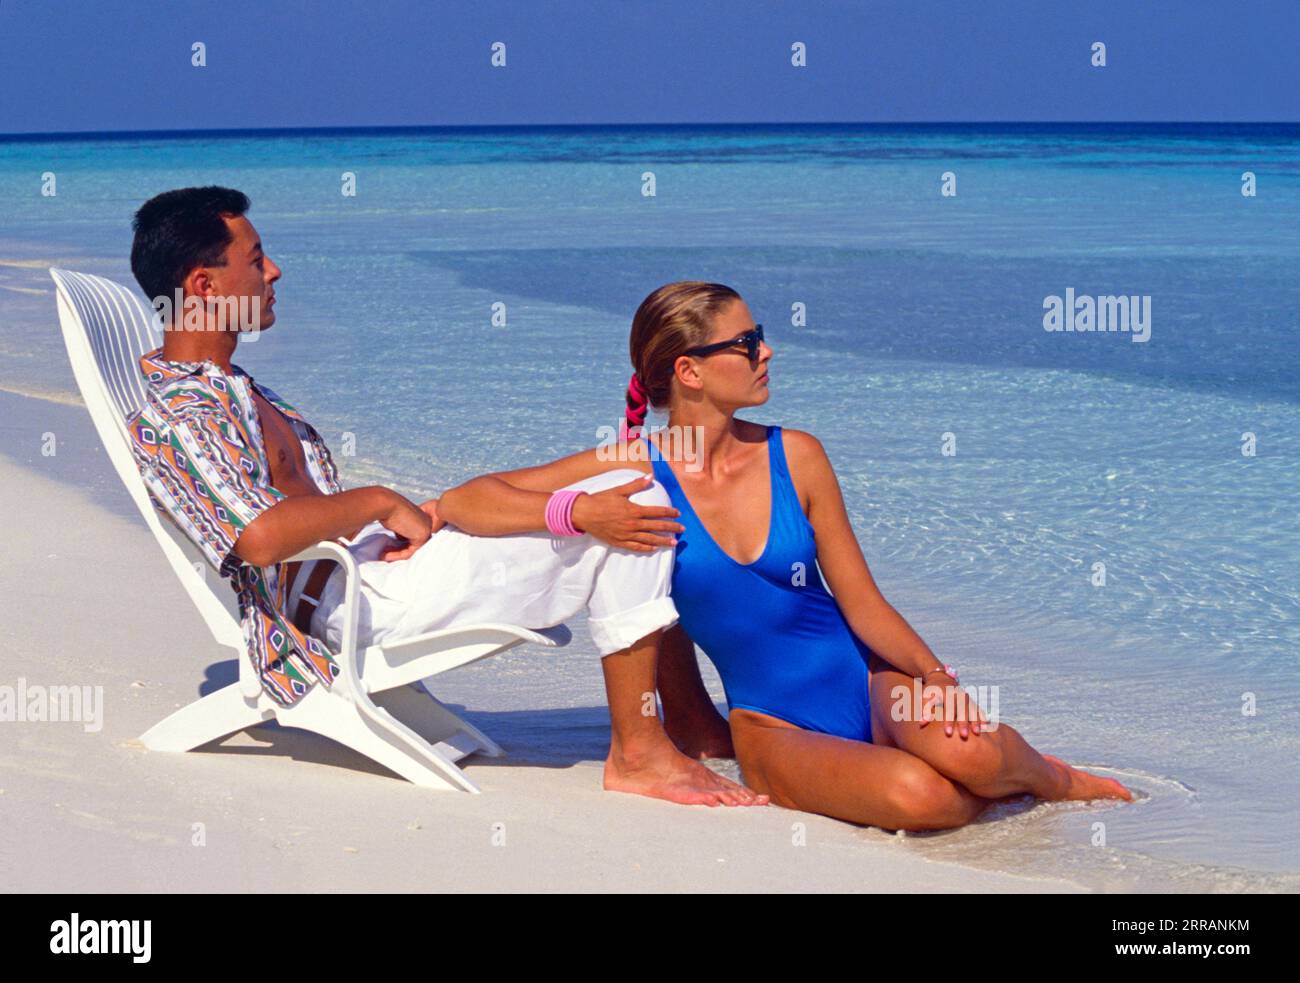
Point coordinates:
[[106, 329]]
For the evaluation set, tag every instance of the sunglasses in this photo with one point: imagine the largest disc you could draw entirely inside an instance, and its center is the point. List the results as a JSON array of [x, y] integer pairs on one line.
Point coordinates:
[[750, 339]]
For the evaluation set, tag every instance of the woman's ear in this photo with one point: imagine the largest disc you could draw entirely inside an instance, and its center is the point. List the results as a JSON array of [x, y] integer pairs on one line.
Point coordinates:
[[687, 373]]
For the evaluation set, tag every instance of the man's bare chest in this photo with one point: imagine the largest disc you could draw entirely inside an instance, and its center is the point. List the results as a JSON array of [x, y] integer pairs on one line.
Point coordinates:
[[284, 453]]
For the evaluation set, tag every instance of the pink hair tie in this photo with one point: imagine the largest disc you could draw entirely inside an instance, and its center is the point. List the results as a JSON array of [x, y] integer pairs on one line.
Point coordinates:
[[637, 404], [559, 513], [634, 387]]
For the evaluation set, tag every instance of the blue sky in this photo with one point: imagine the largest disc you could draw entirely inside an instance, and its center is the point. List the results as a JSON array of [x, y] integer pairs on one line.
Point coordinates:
[[125, 64]]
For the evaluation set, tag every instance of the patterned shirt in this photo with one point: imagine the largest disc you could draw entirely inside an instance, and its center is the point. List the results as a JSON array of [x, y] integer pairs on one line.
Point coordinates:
[[198, 444]]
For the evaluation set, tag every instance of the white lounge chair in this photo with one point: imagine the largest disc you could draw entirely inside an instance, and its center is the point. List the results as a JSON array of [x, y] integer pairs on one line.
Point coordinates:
[[381, 705]]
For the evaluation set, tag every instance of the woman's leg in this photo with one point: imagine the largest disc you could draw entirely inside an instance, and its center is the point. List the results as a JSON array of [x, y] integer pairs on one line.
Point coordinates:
[[844, 779], [642, 759], [690, 718], [991, 764], [537, 581]]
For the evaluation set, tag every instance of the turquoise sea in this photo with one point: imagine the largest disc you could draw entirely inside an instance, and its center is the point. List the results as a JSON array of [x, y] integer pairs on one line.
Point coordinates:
[[924, 318]]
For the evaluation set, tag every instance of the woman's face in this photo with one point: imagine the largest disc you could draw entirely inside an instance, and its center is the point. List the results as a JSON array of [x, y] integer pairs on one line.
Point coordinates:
[[727, 377]]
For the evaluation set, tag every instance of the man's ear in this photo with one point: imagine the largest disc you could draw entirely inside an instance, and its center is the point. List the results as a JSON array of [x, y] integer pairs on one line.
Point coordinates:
[[199, 283]]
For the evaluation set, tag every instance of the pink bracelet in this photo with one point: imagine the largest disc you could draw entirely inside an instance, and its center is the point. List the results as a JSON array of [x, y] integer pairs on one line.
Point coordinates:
[[559, 513], [945, 669]]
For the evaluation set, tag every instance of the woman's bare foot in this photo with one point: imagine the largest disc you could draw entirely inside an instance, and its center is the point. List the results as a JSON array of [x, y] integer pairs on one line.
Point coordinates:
[[660, 771], [1076, 784]]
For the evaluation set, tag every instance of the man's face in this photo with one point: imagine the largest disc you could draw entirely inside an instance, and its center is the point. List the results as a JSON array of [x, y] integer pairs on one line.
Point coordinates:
[[248, 274]]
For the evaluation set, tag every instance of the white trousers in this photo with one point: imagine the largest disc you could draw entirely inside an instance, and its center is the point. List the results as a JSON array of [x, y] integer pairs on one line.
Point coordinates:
[[534, 580]]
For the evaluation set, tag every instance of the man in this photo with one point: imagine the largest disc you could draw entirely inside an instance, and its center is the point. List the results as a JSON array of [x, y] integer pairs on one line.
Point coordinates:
[[252, 483]]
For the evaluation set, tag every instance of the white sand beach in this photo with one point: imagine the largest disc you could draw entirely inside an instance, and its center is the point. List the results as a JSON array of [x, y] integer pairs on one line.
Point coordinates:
[[91, 602]]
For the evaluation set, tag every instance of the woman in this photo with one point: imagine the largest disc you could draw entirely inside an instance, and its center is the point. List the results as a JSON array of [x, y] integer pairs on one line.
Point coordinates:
[[821, 689]]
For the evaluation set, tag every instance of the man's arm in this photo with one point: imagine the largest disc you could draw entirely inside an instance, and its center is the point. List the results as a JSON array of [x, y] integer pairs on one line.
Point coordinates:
[[299, 521], [201, 471]]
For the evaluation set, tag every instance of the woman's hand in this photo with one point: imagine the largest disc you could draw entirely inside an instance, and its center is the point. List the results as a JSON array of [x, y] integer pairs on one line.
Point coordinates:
[[430, 508], [956, 704], [612, 517]]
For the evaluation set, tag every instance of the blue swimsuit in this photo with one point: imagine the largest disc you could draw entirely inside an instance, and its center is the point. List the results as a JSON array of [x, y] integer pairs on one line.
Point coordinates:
[[771, 627]]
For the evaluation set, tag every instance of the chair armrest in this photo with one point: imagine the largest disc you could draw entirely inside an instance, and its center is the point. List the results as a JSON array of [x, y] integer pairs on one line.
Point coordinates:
[[346, 656], [410, 659], [326, 549]]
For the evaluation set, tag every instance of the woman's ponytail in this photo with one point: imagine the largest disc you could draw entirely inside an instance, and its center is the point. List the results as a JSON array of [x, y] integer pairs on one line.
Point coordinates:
[[634, 415]]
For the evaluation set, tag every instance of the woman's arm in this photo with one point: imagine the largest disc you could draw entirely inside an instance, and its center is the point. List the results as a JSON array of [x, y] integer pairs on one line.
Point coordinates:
[[515, 501], [872, 618]]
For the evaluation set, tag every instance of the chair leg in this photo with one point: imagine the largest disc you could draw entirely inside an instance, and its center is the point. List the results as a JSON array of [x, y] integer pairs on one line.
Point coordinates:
[[203, 721], [417, 707], [487, 746], [377, 735]]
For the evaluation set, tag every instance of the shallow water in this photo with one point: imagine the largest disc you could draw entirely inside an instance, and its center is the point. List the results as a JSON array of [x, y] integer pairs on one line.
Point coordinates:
[[924, 318]]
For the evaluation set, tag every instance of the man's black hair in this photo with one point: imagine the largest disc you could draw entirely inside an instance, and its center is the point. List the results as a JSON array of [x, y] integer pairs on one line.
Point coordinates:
[[179, 230]]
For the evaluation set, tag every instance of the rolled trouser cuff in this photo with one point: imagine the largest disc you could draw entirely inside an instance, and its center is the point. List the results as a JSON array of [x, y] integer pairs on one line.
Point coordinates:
[[620, 631]]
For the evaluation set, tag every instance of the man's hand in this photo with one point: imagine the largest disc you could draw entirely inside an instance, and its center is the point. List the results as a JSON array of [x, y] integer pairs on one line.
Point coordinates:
[[612, 517], [413, 525]]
